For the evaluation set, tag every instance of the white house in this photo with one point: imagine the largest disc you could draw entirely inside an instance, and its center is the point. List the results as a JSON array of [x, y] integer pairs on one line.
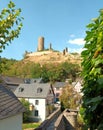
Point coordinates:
[[40, 96], [78, 86], [10, 110]]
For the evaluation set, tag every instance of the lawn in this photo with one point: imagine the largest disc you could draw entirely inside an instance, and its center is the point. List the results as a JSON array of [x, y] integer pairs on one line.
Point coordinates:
[[30, 125]]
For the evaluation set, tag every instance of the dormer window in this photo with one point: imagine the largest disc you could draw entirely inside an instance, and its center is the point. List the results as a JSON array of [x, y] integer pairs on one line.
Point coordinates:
[[21, 89], [27, 81], [39, 90], [35, 81]]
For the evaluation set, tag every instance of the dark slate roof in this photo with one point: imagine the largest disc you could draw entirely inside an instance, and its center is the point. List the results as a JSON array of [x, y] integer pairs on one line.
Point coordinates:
[[9, 104], [60, 84], [34, 90], [12, 87], [33, 80], [12, 80]]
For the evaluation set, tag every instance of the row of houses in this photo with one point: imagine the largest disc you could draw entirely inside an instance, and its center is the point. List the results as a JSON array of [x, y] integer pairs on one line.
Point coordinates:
[[41, 97]]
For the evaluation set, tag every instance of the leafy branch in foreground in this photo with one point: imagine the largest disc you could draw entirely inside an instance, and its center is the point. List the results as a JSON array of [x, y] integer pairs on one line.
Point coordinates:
[[10, 24], [93, 74]]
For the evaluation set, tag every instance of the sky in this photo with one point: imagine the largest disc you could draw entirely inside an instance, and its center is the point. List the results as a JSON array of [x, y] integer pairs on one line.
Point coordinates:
[[61, 22]]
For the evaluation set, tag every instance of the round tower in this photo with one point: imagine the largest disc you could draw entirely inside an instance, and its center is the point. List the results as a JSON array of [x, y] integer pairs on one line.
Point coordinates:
[[40, 43]]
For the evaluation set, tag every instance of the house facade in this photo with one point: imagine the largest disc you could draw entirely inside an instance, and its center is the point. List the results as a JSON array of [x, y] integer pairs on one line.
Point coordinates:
[[58, 86], [78, 86], [11, 110], [11, 123], [40, 97]]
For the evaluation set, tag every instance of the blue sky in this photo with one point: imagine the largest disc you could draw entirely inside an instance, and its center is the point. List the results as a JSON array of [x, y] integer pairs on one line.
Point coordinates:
[[60, 22]]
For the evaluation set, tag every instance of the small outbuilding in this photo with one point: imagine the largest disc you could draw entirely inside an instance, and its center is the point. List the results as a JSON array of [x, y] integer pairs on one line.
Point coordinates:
[[11, 110]]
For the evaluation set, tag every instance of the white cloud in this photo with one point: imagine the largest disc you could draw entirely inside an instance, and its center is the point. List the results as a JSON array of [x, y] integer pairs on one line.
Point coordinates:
[[72, 35], [77, 41], [79, 50]]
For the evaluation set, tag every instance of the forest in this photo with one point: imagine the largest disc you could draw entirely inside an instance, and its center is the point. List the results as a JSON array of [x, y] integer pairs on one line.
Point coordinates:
[[48, 72]]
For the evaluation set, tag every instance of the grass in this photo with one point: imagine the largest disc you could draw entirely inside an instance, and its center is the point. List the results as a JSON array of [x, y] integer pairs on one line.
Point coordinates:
[[30, 125]]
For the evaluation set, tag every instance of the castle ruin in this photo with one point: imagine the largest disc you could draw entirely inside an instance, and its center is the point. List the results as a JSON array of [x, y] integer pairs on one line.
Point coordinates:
[[40, 44]]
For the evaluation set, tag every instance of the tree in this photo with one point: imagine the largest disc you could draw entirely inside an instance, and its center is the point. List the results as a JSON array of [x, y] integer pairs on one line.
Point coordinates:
[[92, 74], [44, 74], [27, 113], [10, 25], [60, 72], [69, 98], [6, 66], [35, 70]]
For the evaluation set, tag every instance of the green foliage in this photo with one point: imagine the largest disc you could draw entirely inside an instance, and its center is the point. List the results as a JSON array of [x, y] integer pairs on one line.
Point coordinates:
[[10, 25], [30, 125], [93, 74], [69, 98], [59, 72], [80, 119], [44, 74], [50, 108], [20, 68], [26, 114], [49, 72], [5, 65]]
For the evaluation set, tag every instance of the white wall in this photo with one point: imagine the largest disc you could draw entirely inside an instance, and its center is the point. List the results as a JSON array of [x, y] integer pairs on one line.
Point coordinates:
[[11, 123], [41, 107]]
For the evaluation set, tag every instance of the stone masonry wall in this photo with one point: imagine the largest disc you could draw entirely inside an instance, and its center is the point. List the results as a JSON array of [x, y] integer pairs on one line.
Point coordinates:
[[59, 124], [71, 119], [47, 122]]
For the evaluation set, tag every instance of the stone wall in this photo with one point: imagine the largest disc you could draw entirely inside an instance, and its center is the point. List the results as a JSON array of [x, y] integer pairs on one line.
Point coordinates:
[[63, 121], [70, 119], [50, 119], [59, 124], [67, 120]]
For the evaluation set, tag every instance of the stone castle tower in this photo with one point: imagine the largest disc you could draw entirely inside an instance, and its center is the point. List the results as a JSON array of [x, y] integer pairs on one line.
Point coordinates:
[[40, 44]]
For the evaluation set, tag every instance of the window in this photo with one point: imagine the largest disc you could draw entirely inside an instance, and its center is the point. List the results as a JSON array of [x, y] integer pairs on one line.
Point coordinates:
[[47, 101], [39, 90], [57, 94], [36, 113], [21, 89], [50, 91], [36, 102]]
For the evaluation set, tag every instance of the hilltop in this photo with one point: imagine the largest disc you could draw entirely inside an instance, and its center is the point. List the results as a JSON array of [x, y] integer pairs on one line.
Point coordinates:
[[45, 63], [51, 56]]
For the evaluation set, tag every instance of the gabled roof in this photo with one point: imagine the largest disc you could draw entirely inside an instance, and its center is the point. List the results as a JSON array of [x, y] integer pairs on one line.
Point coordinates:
[[9, 104], [34, 90], [12, 80], [33, 80], [59, 84]]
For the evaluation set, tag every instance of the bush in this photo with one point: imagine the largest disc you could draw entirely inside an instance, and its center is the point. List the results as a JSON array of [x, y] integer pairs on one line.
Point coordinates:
[[69, 98], [27, 113]]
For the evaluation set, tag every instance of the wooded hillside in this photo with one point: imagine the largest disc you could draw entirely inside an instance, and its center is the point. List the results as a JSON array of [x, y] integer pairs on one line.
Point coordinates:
[[51, 66]]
